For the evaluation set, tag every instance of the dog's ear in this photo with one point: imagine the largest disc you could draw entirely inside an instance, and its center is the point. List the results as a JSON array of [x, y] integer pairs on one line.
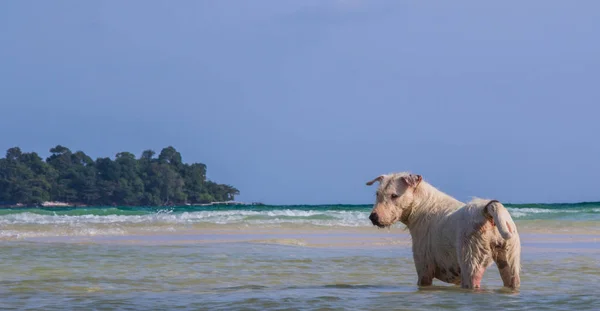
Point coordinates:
[[413, 180], [379, 179]]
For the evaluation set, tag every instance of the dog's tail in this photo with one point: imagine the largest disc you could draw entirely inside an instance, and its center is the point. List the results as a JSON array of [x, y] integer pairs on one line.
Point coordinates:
[[502, 219]]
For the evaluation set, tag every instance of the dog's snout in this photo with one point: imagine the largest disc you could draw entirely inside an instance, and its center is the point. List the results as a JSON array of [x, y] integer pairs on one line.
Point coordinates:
[[374, 218]]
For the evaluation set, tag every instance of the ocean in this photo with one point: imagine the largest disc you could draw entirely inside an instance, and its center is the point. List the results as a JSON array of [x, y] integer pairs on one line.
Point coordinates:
[[325, 257]]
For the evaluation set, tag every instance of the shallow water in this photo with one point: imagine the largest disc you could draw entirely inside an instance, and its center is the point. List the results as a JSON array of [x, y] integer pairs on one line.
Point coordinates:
[[292, 258], [274, 274]]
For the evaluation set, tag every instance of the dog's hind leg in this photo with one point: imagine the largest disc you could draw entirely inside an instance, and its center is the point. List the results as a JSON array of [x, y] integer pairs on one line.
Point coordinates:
[[508, 260], [471, 275], [425, 274], [474, 258]]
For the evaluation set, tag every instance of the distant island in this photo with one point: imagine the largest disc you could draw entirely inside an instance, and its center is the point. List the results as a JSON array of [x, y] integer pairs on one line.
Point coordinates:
[[68, 178]]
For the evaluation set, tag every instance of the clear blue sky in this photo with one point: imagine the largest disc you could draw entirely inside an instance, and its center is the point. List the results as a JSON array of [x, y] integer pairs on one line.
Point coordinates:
[[304, 101]]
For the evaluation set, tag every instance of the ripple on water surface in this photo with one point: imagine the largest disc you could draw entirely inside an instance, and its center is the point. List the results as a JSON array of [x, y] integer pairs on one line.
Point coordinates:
[[58, 276]]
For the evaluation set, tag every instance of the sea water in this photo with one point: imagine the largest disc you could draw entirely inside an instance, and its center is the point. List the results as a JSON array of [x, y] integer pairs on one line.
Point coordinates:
[[273, 258]]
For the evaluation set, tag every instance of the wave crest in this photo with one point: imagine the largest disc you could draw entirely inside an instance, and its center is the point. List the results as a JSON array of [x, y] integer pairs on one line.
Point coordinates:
[[122, 221]]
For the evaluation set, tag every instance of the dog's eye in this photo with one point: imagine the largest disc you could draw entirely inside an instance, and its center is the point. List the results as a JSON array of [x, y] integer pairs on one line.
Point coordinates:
[[394, 196]]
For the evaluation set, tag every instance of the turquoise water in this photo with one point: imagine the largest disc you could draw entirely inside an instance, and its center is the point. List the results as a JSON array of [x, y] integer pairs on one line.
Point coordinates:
[[273, 258], [93, 221]]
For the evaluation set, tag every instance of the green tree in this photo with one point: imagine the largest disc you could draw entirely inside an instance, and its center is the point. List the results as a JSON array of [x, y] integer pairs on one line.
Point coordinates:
[[75, 177], [170, 156], [130, 187], [23, 178]]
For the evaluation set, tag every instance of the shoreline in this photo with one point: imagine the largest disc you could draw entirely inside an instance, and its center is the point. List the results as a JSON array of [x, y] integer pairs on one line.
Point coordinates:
[[51, 204], [239, 203]]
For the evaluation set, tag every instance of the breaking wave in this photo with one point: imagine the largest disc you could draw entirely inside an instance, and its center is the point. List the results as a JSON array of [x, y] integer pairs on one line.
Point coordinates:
[[92, 221]]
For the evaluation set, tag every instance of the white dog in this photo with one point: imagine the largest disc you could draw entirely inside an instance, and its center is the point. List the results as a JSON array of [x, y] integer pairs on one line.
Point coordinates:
[[451, 241]]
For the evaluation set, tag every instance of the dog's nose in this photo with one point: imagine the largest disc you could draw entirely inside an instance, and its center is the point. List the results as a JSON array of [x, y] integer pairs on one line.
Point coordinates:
[[374, 218]]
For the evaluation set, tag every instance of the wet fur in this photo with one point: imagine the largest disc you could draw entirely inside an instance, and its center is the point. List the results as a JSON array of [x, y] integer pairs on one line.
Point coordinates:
[[452, 241]]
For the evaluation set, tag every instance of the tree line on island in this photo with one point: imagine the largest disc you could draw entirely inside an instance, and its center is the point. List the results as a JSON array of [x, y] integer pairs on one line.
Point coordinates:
[[73, 177]]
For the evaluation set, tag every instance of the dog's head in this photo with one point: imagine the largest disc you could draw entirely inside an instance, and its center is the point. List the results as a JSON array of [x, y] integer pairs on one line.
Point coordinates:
[[395, 197]]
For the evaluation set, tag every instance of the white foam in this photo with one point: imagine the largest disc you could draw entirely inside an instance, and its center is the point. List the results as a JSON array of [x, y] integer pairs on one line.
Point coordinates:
[[524, 212], [28, 224], [16, 234], [340, 218]]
